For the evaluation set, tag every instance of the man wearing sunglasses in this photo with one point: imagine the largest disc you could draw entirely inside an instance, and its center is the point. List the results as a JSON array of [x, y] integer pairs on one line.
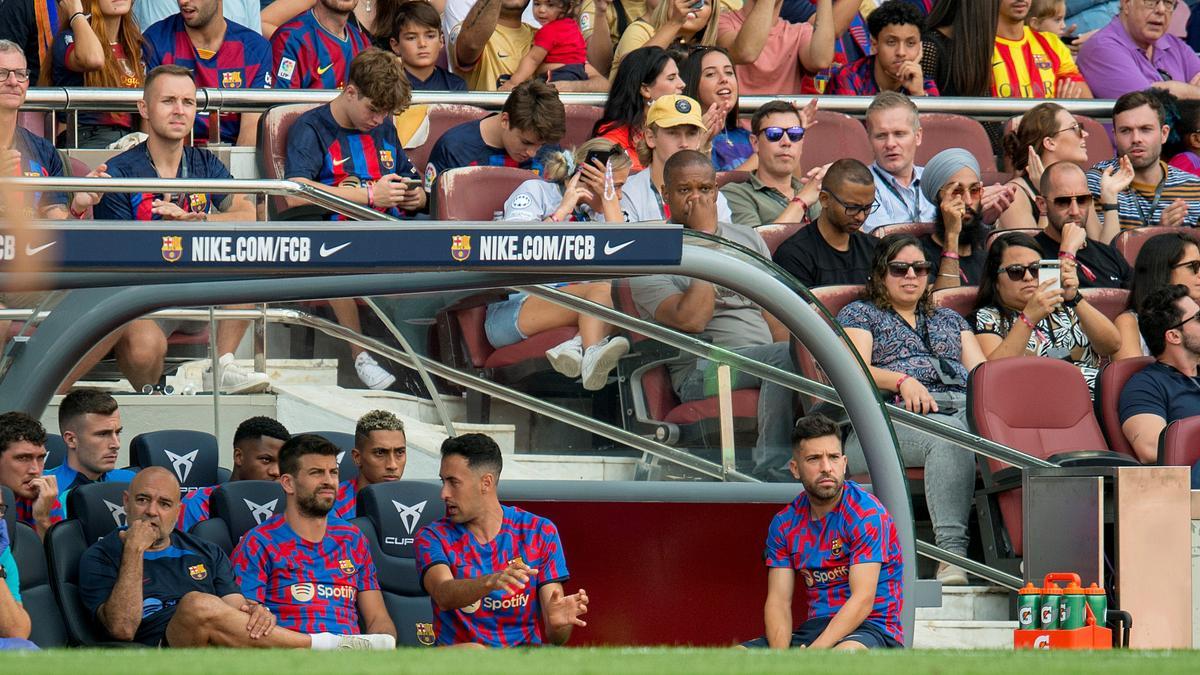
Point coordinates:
[[1135, 51], [834, 250], [774, 194], [1168, 389], [719, 315], [1065, 200]]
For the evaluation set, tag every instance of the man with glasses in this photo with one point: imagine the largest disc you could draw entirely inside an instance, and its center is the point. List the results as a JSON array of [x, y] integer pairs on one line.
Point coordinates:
[[720, 316], [774, 194], [1064, 198], [1135, 51], [1160, 194], [951, 180], [1168, 389], [834, 250]]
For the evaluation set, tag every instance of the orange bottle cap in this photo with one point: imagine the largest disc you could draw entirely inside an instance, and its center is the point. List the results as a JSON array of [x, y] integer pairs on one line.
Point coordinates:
[[1029, 589], [1093, 590], [1052, 589]]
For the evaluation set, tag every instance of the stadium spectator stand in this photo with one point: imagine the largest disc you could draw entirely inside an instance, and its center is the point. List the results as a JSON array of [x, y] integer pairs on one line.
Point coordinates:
[[475, 192], [1179, 444], [1108, 397], [942, 131], [841, 136], [191, 455], [1129, 242]]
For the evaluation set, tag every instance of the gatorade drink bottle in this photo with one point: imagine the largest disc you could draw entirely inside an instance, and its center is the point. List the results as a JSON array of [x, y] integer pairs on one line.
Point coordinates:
[[1098, 601], [1051, 599], [1071, 614], [1028, 606]]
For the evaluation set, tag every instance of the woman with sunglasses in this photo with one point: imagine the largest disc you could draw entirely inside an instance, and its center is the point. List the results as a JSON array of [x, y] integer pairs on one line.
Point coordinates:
[[1164, 260], [1017, 315], [573, 190], [1049, 133], [919, 357], [643, 76]]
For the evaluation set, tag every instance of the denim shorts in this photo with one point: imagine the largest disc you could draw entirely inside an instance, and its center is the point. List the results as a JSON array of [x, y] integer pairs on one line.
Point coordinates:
[[500, 325]]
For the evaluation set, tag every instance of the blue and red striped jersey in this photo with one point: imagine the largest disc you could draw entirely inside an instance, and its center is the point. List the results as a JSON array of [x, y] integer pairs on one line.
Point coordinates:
[[311, 587], [307, 56], [858, 530], [39, 159], [321, 150], [347, 498], [463, 145], [858, 79], [243, 61], [499, 619], [25, 512], [195, 507], [135, 163]]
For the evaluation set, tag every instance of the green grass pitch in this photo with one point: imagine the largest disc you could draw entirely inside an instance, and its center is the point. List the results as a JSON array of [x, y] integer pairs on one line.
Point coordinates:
[[632, 661]]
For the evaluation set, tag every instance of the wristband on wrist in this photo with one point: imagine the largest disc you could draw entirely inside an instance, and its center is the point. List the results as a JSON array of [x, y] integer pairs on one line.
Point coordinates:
[[370, 195], [1032, 327], [800, 200], [1110, 207], [1069, 256], [76, 215], [901, 381], [72, 19], [951, 255]]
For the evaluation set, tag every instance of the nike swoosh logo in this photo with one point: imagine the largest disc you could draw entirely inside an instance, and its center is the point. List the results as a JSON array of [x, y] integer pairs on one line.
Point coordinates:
[[339, 162], [31, 250], [322, 69], [326, 252], [609, 249]]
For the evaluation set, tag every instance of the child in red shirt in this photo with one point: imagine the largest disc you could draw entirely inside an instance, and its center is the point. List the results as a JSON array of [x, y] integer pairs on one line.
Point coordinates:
[[558, 52]]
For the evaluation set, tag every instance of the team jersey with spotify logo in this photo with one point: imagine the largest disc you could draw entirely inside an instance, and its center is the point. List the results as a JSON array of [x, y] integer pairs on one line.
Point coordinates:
[[858, 530], [500, 618], [243, 61], [307, 56], [321, 150], [311, 587]]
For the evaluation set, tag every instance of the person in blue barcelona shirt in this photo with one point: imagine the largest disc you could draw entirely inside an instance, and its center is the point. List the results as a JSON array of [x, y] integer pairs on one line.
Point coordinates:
[[90, 423]]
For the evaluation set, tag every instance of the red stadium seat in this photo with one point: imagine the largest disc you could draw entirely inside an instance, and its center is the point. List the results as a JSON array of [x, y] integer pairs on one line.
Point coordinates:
[[833, 299], [442, 118], [1179, 443], [726, 177], [1099, 143], [1109, 384], [961, 300], [35, 123], [940, 131], [1112, 302], [774, 234], [835, 136], [915, 229], [1053, 420], [272, 144], [1129, 242], [475, 192], [580, 120], [653, 408]]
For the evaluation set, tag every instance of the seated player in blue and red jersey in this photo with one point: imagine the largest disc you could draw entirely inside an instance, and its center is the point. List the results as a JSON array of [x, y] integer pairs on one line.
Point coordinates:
[[843, 543], [152, 584], [22, 461], [314, 572], [494, 573], [220, 53], [314, 50], [380, 453], [349, 147], [256, 446], [532, 117]]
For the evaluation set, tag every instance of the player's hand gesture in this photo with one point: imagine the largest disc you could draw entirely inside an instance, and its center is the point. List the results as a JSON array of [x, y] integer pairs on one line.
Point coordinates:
[[261, 620], [512, 578], [47, 496], [139, 536], [1175, 214], [85, 200], [565, 610], [172, 211]]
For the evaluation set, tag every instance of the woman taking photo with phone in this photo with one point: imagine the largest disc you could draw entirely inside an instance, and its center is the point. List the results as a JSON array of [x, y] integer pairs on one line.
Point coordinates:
[[102, 48], [1019, 313], [584, 185], [919, 357], [671, 23]]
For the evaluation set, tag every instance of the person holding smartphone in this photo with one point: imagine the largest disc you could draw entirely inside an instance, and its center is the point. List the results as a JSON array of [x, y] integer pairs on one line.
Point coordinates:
[[1023, 310], [919, 358]]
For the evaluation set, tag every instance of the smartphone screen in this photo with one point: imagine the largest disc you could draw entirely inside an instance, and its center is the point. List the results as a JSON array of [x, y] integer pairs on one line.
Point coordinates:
[[1050, 271]]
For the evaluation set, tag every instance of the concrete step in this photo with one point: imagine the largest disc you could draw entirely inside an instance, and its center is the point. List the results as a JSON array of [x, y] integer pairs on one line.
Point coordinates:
[[963, 634], [969, 603]]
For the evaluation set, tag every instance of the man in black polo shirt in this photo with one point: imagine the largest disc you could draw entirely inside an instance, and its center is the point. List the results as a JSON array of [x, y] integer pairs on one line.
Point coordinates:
[[153, 584], [833, 250], [1065, 199]]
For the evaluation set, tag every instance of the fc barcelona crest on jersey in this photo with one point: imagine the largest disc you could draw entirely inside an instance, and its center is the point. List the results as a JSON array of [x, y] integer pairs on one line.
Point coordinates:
[[836, 548], [231, 79], [198, 572], [172, 248], [387, 159], [346, 566], [460, 247], [198, 201], [425, 634]]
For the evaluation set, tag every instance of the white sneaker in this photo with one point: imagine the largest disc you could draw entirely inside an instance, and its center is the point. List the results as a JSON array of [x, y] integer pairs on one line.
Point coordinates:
[[366, 641], [235, 378], [567, 358], [600, 359], [951, 575], [371, 373]]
